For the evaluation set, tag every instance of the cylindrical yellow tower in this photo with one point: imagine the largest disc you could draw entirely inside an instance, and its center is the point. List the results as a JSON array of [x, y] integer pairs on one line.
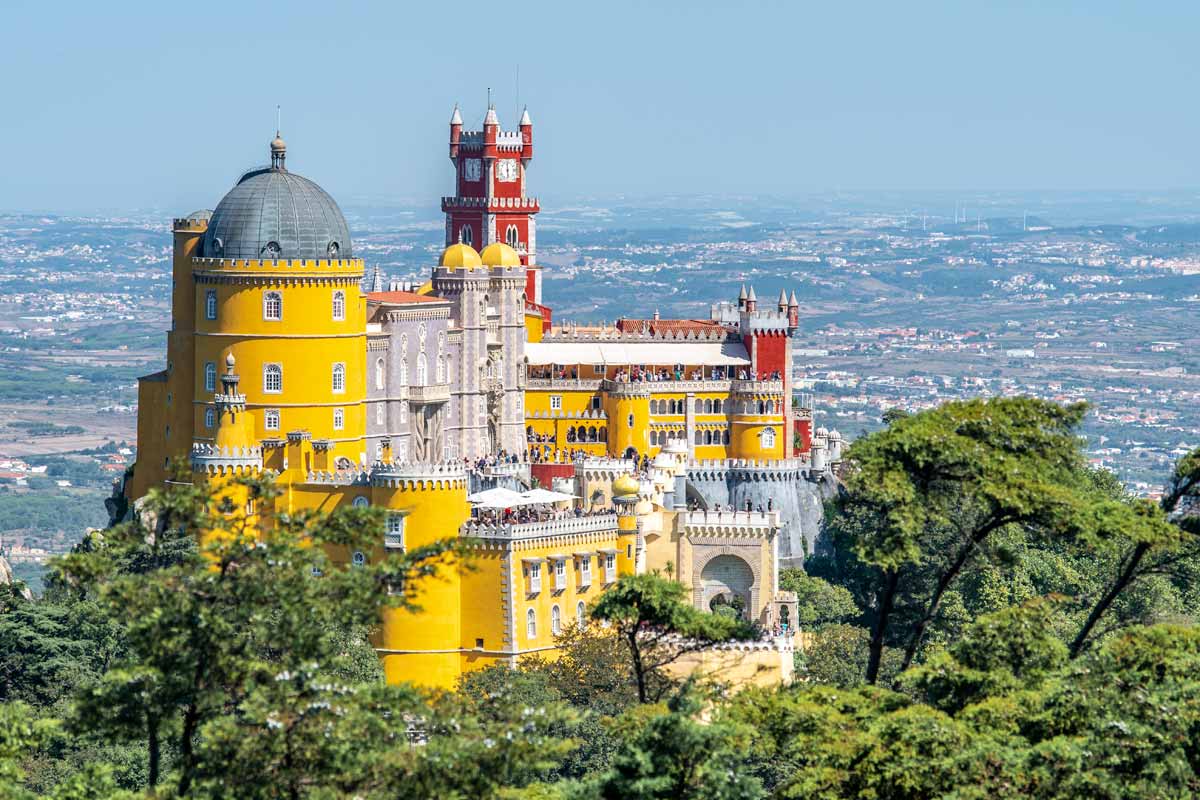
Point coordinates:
[[276, 284], [625, 498], [628, 409], [757, 425]]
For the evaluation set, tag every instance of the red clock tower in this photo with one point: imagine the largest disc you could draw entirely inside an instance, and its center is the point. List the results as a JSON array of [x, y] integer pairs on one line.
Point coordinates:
[[489, 203]]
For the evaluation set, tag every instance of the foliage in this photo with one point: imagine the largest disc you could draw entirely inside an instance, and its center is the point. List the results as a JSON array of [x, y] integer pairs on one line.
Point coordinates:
[[819, 603]]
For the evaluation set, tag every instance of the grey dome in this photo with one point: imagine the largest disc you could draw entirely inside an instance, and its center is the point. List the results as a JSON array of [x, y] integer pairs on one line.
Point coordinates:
[[273, 213]]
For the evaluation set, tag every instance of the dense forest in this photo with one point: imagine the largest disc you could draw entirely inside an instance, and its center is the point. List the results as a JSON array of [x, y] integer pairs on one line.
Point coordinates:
[[987, 617]]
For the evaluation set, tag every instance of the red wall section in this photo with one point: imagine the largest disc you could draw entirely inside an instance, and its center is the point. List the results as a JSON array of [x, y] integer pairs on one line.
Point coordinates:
[[772, 355], [804, 428]]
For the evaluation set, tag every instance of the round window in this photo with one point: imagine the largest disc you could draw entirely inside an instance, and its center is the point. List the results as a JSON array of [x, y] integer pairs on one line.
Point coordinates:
[[333, 249]]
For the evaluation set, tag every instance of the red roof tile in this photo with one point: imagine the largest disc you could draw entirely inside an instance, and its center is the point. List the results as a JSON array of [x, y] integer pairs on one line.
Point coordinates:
[[400, 298]]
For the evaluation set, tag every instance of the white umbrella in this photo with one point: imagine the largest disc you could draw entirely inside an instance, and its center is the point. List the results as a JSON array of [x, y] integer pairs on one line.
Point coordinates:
[[497, 498], [546, 496]]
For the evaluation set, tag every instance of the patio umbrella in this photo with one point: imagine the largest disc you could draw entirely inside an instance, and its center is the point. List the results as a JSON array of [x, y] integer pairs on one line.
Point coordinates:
[[546, 496], [497, 498]]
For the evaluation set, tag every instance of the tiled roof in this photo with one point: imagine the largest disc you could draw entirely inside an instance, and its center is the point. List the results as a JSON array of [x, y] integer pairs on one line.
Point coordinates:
[[668, 325], [401, 298]]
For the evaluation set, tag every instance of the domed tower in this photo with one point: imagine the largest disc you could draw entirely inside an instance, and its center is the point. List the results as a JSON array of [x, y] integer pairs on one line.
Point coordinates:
[[271, 279]]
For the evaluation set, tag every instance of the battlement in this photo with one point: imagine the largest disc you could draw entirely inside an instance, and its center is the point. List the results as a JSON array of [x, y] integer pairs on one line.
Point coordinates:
[[732, 522], [189, 225], [351, 267], [400, 474], [757, 387], [748, 465], [584, 415], [214, 460], [570, 332], [495, 204], [605, 466]]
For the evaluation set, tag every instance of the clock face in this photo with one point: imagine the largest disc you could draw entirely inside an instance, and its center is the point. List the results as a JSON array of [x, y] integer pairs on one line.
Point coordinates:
[[506, 170], [471, 169]]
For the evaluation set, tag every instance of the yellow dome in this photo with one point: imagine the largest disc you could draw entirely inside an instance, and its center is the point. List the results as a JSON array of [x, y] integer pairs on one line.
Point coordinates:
[[426, 288], [498, 254], [460, 255], [625, 486]]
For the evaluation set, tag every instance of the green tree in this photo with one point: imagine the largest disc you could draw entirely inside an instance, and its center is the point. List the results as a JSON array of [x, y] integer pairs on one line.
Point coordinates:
[[650, 614]]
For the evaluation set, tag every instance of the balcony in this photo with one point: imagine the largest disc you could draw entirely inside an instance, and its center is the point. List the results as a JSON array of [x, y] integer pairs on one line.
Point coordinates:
[[564, 384], [666, 387], [432, 393], [518, 531], [757, 387]]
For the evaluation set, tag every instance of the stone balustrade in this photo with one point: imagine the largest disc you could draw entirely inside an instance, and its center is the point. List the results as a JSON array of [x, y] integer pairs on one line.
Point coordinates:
[[757, 387], [733, 519], [564, 384], [432, 393], [517, 531]]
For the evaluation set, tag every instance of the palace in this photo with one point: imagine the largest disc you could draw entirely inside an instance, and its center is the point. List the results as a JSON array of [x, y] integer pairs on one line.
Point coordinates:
[[679, 438]]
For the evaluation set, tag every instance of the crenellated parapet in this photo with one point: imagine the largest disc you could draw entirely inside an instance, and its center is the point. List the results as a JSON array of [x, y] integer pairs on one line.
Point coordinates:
[[732, 523], [403, 475], [212, 459]]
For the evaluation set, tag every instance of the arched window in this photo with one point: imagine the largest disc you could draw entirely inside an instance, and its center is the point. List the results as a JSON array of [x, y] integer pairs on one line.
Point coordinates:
[[441, 369], [210, 417], [591, 434], [510, 236], [339, 419], [699, 437], [360, 502], [603, 434], [339, 305], [708, 436], [581, 615], [466, 235], [708, 406], [404, 370], [339, 378], [767, 438], [555, 620], [654, 438], [379, 373], [379, 412], [271, 419], [717, 406], [358, 558], [422, 369], [273, 306], [210, 376], [530, 624], [210, 304], [725, 437], [699, 406], [571, 434], [272, 378]]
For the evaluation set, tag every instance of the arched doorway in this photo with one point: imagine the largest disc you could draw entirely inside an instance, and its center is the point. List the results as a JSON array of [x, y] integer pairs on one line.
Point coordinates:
[[727, 581]]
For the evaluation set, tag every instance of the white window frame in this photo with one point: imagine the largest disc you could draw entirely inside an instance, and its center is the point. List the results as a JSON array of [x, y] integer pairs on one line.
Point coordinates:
[[466, 235], [394, 533], [560, 574], [556, 402], [555, 620], [267, 370], [610, 567], [210, 304], [422, 370], [379, 414], [766, 439], [210, 376], [339, 419], [360, 502], [531, 625], [271, 419], [535, 577], [210, 417], [338, 378], [359, 559], [585, 571], [581, 614], [339, 305], [403, 406], [272, 314], [380, 373]]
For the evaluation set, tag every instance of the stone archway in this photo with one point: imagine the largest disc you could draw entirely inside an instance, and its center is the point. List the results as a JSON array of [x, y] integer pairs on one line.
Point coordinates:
[[728, 580]]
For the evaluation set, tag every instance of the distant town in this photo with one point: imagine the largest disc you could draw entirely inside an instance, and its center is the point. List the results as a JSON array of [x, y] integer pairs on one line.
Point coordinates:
[[899, 309]]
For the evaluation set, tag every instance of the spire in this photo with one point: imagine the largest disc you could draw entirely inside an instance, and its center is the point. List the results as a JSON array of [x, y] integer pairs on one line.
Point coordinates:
[[783, 298], [742, 293], [792, 302], [377, 280], [752, 297], [525, 120], [491, 118], [456, 118]]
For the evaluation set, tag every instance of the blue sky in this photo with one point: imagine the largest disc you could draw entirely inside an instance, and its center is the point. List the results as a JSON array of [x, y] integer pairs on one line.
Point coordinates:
[[161, 105]]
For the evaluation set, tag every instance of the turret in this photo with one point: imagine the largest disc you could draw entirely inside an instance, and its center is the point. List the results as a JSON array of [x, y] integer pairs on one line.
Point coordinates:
[[783, 301], [742, 298], [793, 312], [526, 137], [491, 129], [751, 301], [455, 132]]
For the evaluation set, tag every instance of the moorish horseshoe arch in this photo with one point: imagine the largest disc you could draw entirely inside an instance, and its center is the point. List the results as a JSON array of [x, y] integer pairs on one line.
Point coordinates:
[[704, 554]]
